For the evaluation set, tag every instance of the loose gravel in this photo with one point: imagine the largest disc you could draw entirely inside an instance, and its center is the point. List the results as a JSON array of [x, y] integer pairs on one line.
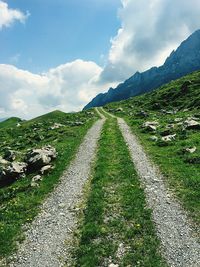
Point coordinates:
[[179, 245], [45, 242]]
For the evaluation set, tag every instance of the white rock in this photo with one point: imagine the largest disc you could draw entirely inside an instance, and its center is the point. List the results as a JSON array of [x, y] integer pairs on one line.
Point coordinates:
[[46, 169], [169, 138], [191, 124], [191, 149]]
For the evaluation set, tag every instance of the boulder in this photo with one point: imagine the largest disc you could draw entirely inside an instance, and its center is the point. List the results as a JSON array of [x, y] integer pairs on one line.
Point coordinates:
[[168, 138], [153, 138], [178, 119], [191, 150], [150, 125], [35, 180], [119, 109], [191, 124], [46, 169], [3, 161], [56, 126], [37, 158], [13, 171]]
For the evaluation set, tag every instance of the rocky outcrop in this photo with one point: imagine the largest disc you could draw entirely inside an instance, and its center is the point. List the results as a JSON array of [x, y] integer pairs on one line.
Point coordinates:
[[169, 138], [150, 125], [13, 171], [37, 158], [37, 161], [191, 124]]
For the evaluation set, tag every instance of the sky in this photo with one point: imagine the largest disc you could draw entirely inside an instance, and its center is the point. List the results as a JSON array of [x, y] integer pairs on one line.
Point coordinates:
[[60, 54]]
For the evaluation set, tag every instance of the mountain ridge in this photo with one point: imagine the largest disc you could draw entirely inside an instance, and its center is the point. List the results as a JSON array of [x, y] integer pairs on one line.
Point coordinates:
[[182, 61]]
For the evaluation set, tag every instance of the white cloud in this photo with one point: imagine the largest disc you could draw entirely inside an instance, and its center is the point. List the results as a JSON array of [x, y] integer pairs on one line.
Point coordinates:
[[68, 87], [150, 30], [8, 15]]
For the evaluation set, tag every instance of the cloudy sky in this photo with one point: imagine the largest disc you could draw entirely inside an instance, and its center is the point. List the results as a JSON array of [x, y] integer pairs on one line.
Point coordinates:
[[58, 54]]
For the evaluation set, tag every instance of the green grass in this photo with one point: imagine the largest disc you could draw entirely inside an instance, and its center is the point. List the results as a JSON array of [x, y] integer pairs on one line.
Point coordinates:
[[10, 122], [181, 170], [19, 202], [116, 211]]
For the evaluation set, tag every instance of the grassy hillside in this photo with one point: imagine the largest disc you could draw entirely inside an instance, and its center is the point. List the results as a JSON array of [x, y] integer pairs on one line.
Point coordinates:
[[169, 108], [11, 122], [20, 201]]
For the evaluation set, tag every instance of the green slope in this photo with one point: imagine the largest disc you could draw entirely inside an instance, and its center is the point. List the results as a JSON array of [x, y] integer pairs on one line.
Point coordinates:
[[171, 105], [11, 122], [19, 201]]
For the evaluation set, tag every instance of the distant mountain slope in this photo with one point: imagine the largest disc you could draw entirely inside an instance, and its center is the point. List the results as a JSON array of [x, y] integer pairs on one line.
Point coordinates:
[[181, 94], [184, 60], [10, 122]]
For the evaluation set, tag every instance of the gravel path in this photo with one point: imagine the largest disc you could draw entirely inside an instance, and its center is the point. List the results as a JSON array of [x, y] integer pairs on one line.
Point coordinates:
[[45, 243], [180, 247]]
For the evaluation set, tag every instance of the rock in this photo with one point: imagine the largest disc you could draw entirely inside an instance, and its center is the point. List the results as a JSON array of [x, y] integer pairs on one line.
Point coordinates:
[[46, 169], [78, 123], [170, 126], [178, 119], [150, 125], [171, 112], [155, 123], [13, 171], [168, 138], [191, 124], [153, 138], [35, 180], [191, 149], [3, 161], [56, 126], [113, 265], [38, 158], [9, 154], [119, 109], [179, 123], [34, 184]]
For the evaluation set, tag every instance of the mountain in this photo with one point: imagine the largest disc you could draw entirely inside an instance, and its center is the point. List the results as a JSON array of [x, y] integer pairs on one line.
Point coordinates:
[[181, 96], [184, 60]]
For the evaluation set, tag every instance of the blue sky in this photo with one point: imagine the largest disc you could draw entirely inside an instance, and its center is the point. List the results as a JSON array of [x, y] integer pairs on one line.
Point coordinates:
[[59, 54], [59, 31]]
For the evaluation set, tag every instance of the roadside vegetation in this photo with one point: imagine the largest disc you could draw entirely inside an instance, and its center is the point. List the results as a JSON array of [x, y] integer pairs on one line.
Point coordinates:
[[167, 122], [20, 200], [116, 226]]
